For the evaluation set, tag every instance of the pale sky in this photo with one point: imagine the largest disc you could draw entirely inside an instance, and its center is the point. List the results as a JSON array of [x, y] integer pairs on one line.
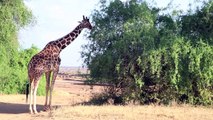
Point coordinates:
[[56, 18]]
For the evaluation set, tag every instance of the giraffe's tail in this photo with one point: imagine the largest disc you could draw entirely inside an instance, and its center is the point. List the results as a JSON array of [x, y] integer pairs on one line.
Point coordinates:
[[27, 91]]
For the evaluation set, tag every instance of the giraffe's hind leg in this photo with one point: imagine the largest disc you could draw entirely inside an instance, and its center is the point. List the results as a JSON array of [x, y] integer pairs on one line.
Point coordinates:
[[36, 83], [31, 98], [33, 91], [52, 85], [46, 106]]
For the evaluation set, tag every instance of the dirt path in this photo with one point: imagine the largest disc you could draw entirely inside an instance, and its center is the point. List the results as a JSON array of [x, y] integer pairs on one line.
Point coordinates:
[[67, 92]]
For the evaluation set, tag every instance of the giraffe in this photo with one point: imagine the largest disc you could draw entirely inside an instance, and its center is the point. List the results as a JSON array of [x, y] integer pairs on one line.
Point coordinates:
[[47, 62]]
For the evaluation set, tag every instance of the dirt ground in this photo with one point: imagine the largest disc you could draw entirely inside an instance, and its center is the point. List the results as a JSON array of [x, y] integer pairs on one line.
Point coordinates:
[[70, 90]]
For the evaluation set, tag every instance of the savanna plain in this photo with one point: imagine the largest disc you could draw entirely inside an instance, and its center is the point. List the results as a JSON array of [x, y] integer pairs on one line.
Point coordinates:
[[69, 94]]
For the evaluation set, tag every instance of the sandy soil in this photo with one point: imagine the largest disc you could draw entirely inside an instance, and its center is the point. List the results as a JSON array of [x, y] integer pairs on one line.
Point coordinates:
[[69, 90]]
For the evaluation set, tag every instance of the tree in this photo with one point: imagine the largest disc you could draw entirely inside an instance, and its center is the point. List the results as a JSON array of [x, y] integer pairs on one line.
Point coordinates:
[[198, 25], [149, 57], [14, 15]]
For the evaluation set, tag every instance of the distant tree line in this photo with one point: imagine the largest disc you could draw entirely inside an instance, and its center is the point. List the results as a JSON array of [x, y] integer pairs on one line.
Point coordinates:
[[152, 57]]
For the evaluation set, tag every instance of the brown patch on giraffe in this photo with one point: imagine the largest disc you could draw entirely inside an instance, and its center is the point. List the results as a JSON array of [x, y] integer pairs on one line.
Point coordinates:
[[63, 42], [67, 36], [76, 32], [50, 56], [72, 34], [68, 39], [54, 43], [68, 42], [40, 57], [59, 45], [63, 46], [75, 36], [79, 31]]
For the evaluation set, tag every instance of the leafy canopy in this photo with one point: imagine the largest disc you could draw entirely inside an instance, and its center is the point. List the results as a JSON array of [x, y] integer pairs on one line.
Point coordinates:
[[151, 57]]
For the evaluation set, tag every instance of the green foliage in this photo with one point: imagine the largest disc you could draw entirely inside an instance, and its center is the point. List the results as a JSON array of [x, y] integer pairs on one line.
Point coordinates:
[[15, 76], [24, 58], [199, 25], [149, 57], [14, 15]]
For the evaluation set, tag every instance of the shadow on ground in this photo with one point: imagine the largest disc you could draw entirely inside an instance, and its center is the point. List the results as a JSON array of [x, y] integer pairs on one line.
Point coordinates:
[[80, 82], [13, 108]]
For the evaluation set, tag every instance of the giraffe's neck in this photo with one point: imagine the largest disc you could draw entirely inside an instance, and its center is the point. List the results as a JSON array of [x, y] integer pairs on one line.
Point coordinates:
[[67, 39]]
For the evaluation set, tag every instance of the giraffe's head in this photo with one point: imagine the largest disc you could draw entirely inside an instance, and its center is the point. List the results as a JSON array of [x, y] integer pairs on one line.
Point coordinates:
[[85, 23]]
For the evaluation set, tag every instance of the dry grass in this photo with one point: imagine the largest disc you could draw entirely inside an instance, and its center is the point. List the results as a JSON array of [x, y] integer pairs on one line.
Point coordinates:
[[71, 91], [132, 113]]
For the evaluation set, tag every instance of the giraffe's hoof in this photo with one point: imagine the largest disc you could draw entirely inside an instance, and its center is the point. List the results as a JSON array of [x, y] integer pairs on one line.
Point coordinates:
[[46, 108], [30, 111]]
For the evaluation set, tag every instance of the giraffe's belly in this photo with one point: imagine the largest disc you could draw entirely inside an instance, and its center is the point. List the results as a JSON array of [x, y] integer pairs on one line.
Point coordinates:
[[51, 66]]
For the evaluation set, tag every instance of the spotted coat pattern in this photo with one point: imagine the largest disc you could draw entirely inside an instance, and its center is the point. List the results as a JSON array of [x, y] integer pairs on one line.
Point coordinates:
[[48, 61]]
